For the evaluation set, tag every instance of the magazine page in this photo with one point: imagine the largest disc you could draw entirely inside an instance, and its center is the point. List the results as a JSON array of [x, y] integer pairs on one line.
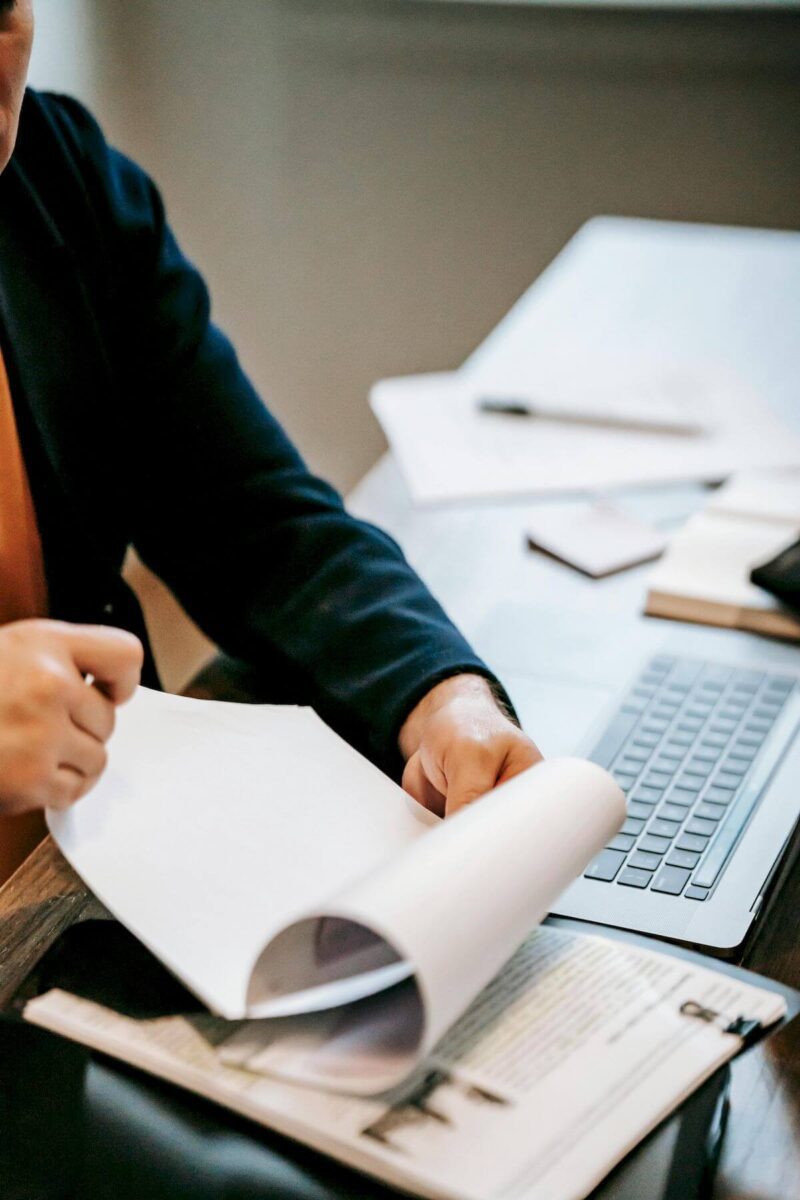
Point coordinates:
[[570, 1056]]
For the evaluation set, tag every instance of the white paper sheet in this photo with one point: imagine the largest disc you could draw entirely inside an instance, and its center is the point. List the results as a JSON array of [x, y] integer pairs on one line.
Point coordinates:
[[456, 905], [276, 873], [448, 449], [216, 825]]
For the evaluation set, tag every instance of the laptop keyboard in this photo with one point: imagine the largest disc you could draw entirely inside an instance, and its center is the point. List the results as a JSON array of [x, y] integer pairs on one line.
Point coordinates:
[[692, 746]]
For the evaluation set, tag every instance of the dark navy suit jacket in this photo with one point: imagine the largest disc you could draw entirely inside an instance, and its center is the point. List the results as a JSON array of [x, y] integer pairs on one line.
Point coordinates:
[[140, 428]]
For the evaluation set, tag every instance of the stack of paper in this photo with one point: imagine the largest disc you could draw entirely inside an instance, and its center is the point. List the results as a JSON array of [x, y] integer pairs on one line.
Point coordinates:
[[633, 316]]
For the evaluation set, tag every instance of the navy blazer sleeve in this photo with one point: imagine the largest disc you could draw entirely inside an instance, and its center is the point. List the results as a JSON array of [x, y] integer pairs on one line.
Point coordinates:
[[259, 550]]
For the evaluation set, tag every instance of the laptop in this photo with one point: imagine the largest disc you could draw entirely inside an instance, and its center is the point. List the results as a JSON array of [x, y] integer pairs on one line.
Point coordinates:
[[702, 736]]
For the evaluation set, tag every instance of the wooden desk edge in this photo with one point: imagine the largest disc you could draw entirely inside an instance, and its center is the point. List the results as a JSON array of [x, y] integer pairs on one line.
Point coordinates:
[[42, 898]]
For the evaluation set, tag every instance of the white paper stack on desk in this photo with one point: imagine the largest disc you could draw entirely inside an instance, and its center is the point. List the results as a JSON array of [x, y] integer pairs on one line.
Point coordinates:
[[632, 316]]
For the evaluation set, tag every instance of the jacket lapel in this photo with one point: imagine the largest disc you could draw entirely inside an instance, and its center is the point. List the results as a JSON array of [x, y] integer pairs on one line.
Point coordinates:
[[60, 378]]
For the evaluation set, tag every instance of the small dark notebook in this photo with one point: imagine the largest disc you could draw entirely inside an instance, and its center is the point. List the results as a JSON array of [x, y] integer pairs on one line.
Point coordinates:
[[781, 576]]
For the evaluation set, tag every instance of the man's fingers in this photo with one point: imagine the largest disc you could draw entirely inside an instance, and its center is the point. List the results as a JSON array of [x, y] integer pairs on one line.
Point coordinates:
[[417, 784], [112, 656], [93, 712], [67, 786], [475, 772], [479, 768], [524, 754], [83, 753]]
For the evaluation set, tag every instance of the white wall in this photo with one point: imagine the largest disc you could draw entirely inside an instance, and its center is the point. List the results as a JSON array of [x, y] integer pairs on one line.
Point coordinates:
[[64, 51]]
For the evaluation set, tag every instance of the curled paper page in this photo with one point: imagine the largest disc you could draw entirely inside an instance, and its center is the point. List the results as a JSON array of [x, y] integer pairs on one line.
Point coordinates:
[[279, 874], [451, 908]]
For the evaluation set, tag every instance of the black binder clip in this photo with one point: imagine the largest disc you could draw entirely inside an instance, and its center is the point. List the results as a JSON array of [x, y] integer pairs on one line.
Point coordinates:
[[747, 1029]]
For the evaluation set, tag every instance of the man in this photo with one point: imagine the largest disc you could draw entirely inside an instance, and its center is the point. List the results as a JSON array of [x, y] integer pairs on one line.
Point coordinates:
[[126, 419]]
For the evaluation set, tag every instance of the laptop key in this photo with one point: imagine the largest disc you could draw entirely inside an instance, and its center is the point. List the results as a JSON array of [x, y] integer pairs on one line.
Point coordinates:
[[740, 753], [633, 825], [685, 672], [622, 841], [780, 683], [627, 766], [649, 795], [671, 881], [636, 808], [646, 740], [644, 861], [712, 812], [698, 766], [734, 766], [661, 828], [691, 841], [605, 866], [749, 678], [714, 676], [630, 877], [695, 893], [614, 738], [708, 754], [719, 795], [654, 845], [657, 779], [701, 826], [635, 754], [682, 796], [724, 779], [689, 783], [672, 812], [655, 725], [683, 858]]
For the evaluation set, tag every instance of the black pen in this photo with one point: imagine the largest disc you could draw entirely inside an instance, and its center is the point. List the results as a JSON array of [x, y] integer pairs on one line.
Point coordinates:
[[512, 406]]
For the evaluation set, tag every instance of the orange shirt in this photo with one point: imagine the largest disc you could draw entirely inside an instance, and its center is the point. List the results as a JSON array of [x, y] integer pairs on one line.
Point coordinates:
[[23, 591]]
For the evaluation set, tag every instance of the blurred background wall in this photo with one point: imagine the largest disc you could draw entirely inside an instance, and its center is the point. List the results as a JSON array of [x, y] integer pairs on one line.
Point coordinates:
[[369, 184]]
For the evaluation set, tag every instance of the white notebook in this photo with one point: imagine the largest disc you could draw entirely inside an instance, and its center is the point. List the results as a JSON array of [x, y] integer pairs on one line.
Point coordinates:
[[704, 576]]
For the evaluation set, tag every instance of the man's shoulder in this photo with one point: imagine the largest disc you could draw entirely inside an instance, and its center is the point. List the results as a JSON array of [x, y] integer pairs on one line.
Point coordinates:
[[56, 126], [86, 186]]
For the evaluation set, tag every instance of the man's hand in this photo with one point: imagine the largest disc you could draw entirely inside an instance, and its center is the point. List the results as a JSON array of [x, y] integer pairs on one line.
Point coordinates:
[[53, 722], [458, 744]]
